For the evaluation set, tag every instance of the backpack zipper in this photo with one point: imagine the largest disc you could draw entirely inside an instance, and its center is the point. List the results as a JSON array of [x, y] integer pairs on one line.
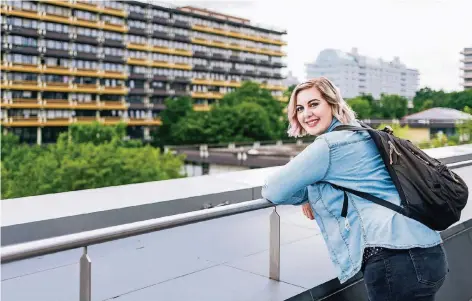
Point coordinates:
[[392, 149]]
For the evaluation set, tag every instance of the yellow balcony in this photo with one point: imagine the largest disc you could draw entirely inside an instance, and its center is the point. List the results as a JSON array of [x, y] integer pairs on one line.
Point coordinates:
[[114, 90], [22, 85], [59, 2], [274, 87], [201, 107], [142, 47], [58, 87], [273, 53], [115, 27], [21, 13], [171, 65], [180, 66], [207, 95], [87, 88], [144, 121], [56, 18], [219, 83], [238, 35], [23, 122], [113, 105], [58, 121], [22, 68], [86, 106], [57, 70], [114, 74], [197, 81], [139, 62], [114, 11], [238, 47], [56, 104], [87, 72], [22, 103], [86, 23], [112, 120], [219, 44], [87, 6], [201, 41], [171, 51], [85, 119]]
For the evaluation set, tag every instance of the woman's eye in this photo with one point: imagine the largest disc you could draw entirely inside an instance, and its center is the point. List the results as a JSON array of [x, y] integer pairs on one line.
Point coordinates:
[[313, 105], [299, 109]]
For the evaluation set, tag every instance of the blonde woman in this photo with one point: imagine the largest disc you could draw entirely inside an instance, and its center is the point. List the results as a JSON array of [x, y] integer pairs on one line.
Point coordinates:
[[401, 259]]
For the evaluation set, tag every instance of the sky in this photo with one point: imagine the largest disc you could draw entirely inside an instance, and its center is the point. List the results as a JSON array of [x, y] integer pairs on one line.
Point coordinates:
[[427, 35]]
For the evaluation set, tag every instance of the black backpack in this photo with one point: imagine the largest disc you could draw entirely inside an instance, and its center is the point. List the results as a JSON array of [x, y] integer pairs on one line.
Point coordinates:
[[429, 191]]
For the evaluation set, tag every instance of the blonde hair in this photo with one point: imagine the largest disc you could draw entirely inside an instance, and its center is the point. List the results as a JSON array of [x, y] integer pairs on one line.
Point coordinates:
[[330, 93]]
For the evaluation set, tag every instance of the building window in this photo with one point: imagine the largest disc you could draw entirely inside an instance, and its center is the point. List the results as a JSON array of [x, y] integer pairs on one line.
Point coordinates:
[[85, 15], [22, 41], [57, 10]]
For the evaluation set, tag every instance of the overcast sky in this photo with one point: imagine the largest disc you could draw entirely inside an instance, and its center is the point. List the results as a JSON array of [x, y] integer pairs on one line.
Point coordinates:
[[427, 35]]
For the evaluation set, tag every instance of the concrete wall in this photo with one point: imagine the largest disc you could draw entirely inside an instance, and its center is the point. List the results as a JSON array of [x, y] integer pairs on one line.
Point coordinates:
[[417, 135]]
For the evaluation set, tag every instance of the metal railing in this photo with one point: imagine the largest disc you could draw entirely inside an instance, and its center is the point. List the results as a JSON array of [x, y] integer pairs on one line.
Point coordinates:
[[88, 238]]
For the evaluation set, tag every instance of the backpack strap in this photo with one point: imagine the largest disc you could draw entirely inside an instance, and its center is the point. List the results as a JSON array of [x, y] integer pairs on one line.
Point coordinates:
[[345, 127], [366, 196]]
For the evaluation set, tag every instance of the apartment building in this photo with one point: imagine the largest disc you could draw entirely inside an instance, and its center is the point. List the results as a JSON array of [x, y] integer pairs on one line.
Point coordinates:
[[357, 74], [467, 68], [73, 61]]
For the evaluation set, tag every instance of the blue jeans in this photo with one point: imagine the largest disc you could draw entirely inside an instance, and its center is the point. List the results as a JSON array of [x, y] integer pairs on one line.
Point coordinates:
[[404, 275]]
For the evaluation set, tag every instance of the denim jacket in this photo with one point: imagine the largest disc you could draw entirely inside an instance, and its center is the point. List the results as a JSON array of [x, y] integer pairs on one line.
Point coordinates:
[[352, 160]]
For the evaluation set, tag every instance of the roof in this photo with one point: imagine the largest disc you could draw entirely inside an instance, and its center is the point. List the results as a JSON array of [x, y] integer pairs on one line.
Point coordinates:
[[438, 114]]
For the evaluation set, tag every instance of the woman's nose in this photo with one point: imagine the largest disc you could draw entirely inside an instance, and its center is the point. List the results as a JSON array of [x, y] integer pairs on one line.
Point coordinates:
[[307, 113]]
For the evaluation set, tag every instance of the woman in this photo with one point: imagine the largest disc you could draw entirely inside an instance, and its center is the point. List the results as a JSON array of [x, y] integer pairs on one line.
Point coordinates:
[[401, 259]]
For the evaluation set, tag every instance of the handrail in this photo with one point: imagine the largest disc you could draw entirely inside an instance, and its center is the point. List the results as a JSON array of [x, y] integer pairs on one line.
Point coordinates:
[[71, 241]]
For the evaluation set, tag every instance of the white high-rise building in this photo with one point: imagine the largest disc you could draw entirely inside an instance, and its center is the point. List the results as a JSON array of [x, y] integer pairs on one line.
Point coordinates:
[[467, 68], [356, 74], [290, 80]]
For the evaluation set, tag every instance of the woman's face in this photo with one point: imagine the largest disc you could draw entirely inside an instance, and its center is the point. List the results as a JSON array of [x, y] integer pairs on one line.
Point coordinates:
[[313, 111]]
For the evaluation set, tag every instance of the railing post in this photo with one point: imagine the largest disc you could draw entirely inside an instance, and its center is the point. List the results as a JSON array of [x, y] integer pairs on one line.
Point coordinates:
[[274, 249], [85, 277]]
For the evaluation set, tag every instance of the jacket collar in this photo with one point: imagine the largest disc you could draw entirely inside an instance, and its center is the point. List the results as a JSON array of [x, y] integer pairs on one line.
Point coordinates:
[[335, 122]]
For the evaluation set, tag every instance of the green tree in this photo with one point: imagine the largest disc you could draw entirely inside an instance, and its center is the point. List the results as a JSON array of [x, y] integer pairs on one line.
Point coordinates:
[[74, 163], [393, 106], [361, 106], [192, 129], [176, 109], [428, 104]]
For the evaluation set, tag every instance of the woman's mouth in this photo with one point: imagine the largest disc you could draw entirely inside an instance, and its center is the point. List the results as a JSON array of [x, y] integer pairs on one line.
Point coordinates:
[[312, 123]]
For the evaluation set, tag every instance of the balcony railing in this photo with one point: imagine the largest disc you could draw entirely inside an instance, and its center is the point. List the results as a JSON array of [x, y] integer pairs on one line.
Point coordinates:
[[89, 238]]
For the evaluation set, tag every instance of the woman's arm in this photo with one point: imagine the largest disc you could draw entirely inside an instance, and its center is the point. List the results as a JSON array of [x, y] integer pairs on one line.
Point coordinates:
[[288, 185]]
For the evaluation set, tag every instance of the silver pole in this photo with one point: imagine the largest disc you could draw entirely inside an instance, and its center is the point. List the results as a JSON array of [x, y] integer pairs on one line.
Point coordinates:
[[79, 240], [274, 249], [85, 277]]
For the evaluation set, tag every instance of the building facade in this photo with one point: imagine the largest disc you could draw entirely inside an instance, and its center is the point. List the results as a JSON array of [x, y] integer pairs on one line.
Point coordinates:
[[467, 68], [73, 61], [356, 74]]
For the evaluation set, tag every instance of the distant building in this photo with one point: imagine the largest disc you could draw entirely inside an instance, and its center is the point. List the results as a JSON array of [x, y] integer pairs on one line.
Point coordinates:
[[467, 68], [356, 74], [290, 80], [430, 122], [77, 62]]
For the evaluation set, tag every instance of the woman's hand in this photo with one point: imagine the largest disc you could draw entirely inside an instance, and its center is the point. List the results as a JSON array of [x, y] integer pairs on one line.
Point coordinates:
[[307, 211]]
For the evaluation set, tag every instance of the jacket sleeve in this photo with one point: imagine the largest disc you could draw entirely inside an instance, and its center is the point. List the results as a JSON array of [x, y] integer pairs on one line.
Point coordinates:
[[288, 185]]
